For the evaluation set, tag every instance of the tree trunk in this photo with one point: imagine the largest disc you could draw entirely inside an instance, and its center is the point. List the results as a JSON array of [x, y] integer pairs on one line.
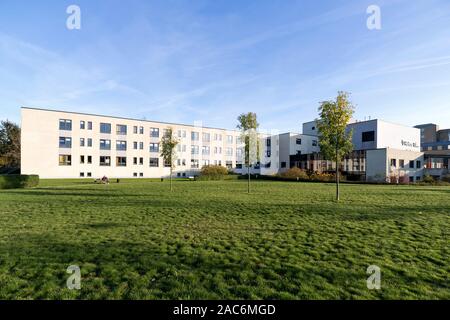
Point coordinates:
[[248, 172], [170, 179], [337, 175]]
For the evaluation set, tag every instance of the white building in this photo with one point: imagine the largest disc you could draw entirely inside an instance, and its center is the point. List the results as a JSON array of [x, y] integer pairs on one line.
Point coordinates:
[[57, 144], [382, 151]]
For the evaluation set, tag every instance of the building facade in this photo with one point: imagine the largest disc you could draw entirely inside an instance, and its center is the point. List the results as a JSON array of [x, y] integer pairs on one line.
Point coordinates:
[[382, 151], [435, 144], [57, 144]]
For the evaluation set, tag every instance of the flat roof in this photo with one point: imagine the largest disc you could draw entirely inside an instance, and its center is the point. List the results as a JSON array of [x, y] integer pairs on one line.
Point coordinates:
[[123, 118]]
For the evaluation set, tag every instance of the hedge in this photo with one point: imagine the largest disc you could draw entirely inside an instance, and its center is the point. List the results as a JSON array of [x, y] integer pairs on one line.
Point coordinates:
[[16, 181]]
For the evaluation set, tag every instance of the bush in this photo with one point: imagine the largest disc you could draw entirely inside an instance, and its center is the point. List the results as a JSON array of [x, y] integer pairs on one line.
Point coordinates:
[[295, 173], [324, 177], [213, 173], [428, 179], [18, 181], [446, 178]]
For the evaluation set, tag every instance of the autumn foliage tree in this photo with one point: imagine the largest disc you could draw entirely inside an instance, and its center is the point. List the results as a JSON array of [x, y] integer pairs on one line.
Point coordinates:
[[334, 139]]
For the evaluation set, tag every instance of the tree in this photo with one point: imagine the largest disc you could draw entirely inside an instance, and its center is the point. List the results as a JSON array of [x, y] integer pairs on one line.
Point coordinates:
[[334, 139], [9, 144], [168, 144], [248, 125]]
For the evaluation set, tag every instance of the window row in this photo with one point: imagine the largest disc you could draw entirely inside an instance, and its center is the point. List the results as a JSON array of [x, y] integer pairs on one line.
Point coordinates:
[[401, 164], [105, 161], [106, 128]]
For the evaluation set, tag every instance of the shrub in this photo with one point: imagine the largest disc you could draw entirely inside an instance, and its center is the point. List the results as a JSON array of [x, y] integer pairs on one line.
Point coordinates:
[[324, 177], [18, 181], [295, 173], [446, 178], [213, 173], [428, 179]]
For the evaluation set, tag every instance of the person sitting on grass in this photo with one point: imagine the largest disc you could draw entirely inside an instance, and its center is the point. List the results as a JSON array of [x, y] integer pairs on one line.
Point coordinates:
[[105, 180]]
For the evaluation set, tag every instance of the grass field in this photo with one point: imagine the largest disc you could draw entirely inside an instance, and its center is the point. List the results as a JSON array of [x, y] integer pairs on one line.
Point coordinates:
[[210, 240]]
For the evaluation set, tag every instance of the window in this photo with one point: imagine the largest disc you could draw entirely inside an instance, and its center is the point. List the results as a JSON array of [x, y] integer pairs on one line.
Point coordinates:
[[65, 142], [166, 132], [418, 164], [89, 142], [394, 163], [141, 174], [411, 179], [268, 142], [283, 164], [418, 178], [194, 136], [89, 174], [181, 133], [238, 165], [217, 137], [314, 143], [135, 129], [194, 163], [105, 144], [121, 129], [81, 174], [105, 161], [229, 139], [121, 161], [65, 124], [141, 145], [239, 152], [411, 164], [135, 145], [194, 149], [167, 163], [268, 153], [205, 150], [141, 130], [401, 163], [154, 147], [82, 159], [205, 163], [268, 164], [121, 145], [82, 125], [154, 132], [217, 150], [89, 128], [82, 142], [313, 128], [298, 141], [154, 162], [89, 159], [229, 164], [135, 161], [105, 128], [206, 137], [229, 151], [65, 160], [135, 174], [368, 136], [141, 161]]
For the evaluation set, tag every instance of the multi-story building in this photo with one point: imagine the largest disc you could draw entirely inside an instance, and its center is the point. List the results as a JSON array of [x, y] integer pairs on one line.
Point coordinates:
[[58, 144], [435, 144], [382, 151]]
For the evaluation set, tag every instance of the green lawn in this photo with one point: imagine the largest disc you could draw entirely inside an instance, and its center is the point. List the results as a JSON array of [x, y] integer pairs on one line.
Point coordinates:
[[210, 240]]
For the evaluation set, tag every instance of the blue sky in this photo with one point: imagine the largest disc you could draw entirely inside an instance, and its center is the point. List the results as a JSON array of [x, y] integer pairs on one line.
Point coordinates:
[[209, 61]]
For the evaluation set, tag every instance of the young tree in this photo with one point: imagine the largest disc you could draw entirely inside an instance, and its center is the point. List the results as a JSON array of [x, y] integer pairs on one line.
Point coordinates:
[[334, 139], [168, 144], [9, 144], [248, 125]]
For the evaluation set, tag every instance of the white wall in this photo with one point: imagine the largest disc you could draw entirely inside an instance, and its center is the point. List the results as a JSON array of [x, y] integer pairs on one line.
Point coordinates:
[[40, 146]]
